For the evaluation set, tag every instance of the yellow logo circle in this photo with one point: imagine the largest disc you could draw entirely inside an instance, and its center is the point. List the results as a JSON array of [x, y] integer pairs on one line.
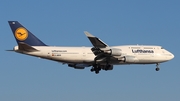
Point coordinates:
[[21, 34]]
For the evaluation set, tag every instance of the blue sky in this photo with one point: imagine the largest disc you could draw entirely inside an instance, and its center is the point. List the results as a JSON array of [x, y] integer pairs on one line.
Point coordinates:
[[116, 22]]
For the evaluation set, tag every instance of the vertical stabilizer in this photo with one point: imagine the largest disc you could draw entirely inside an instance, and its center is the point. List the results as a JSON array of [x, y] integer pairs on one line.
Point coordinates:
[[21, 34]]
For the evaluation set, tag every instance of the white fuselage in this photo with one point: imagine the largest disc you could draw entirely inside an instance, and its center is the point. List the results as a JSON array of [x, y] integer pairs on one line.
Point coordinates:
[[141, 54]]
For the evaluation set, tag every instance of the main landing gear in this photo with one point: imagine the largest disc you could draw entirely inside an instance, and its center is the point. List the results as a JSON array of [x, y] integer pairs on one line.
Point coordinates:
[[96, 68], [157, 67]]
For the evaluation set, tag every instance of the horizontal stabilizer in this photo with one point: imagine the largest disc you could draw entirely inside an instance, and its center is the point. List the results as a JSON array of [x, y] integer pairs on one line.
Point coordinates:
[[10, 50], [25, 47]]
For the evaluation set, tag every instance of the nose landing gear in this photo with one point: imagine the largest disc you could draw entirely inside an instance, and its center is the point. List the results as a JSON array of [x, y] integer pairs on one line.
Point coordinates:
[[157, 67]]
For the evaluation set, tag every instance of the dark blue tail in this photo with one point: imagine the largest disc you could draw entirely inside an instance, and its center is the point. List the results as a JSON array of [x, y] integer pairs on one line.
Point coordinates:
[[21, 34]]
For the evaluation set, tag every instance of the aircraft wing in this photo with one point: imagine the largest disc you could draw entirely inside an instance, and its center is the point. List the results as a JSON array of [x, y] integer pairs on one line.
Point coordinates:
[[95, 41], [102, 51]]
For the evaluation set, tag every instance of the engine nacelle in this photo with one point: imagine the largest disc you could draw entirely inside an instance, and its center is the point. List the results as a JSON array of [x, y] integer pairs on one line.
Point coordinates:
[[130, 59], [76, 66], [113, 52]]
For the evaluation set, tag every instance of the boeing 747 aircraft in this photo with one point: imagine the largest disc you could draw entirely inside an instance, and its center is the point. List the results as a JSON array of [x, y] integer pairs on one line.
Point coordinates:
[[99, 57]]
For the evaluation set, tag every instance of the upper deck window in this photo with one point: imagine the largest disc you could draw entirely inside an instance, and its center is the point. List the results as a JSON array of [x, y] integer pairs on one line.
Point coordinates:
[[135, 47], [148, 47]]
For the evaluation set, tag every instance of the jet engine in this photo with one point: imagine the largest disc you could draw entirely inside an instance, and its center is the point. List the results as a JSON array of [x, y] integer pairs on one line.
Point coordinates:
[[130, 59], [113, 52]]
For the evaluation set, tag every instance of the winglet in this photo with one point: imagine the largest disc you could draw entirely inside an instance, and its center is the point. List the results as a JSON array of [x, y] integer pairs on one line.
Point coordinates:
[[88, 34], [95, 41]]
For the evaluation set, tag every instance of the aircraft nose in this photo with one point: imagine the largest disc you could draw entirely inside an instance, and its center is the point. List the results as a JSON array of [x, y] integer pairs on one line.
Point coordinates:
[[171, 56]]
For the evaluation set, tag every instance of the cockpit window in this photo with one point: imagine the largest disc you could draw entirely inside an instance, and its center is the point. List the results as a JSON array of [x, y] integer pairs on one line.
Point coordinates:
[[162, 48]]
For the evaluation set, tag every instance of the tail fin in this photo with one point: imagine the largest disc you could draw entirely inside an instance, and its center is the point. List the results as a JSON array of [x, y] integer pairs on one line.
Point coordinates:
[[21, 34]]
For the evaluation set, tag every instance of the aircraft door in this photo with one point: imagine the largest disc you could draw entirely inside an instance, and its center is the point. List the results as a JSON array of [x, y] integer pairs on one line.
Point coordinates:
[[83, 54]]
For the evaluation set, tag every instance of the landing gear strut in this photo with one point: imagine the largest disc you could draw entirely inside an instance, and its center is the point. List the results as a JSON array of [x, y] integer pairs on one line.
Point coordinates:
[[157, 67]]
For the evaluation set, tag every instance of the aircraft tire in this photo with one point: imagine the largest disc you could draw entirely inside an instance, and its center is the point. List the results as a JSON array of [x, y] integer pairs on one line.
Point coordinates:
[[97, 72], [92, 69], [157, 69]]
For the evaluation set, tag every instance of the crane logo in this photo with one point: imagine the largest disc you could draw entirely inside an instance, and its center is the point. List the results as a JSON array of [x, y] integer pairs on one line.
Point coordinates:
[[21, 34]]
